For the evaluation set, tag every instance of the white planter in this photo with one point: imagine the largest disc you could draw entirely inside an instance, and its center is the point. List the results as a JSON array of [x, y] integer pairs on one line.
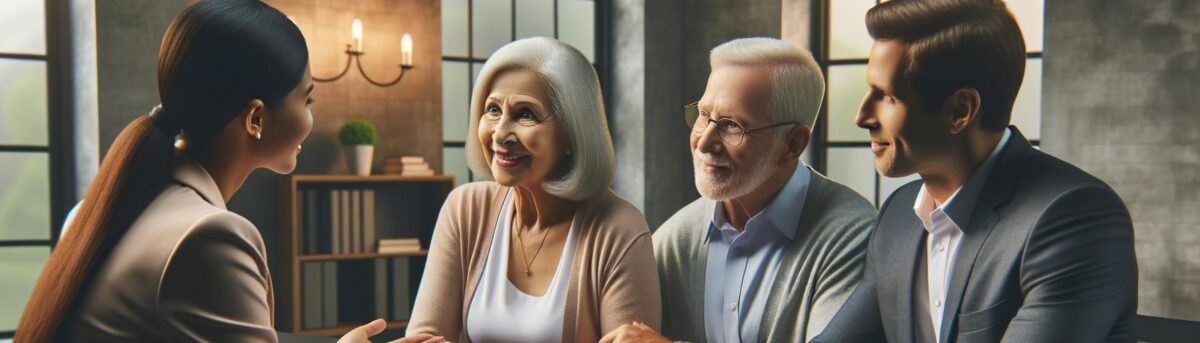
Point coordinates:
[[359, 157]]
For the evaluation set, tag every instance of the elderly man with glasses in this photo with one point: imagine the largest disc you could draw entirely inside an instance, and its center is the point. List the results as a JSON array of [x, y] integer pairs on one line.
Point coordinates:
[[773, 248]]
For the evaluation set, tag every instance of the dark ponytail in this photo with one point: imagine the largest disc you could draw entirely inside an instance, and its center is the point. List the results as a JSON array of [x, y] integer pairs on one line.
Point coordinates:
[[216, 57]]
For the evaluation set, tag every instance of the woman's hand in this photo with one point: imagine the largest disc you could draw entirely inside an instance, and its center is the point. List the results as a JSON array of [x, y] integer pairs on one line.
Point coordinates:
[[362, 334], [636, 332]]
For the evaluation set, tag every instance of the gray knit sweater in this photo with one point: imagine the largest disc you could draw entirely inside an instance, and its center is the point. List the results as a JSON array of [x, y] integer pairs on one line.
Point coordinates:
[[819, 270]]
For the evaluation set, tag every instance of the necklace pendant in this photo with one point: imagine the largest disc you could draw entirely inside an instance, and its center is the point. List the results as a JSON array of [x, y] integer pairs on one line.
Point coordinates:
[[528, 273]]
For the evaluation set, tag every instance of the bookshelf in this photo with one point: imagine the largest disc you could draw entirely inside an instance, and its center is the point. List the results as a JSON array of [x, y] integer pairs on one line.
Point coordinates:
[[333, 279]]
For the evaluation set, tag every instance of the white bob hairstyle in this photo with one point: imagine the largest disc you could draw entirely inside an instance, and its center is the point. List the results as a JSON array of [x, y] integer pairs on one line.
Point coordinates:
[[797, 86], [576, 101]]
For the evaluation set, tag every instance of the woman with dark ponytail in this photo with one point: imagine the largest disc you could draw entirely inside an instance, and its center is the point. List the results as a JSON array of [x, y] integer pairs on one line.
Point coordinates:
[[152, 254]]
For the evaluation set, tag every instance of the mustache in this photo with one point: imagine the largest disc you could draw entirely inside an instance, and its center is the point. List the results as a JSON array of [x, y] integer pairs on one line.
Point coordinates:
[[710, 159]]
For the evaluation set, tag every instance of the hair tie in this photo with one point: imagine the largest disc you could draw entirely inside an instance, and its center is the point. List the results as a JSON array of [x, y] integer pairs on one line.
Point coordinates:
[[158, 114]]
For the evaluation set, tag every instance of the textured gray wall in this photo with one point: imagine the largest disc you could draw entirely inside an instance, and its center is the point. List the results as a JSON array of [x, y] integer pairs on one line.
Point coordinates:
[[127, 37], [660, 60], [1119, 88]]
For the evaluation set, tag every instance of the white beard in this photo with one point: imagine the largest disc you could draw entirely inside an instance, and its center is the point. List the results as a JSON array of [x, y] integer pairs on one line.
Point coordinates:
[[729, 184]]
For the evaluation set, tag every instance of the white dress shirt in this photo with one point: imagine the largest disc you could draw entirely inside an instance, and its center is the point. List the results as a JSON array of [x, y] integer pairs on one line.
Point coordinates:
[[944, 225]]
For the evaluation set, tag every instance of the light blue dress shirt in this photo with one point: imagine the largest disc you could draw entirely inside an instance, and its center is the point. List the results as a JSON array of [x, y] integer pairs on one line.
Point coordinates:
[[742, 266]]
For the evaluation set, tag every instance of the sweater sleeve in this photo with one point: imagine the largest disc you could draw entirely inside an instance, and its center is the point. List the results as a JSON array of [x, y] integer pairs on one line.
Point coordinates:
[[632, 291], [841, 274], [438, 308]]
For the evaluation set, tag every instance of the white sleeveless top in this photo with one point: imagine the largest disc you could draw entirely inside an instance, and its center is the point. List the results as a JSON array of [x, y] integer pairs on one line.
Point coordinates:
[[500, 312]]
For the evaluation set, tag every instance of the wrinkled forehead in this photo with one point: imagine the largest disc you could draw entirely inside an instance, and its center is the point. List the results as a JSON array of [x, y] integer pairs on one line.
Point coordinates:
[[737, 91]]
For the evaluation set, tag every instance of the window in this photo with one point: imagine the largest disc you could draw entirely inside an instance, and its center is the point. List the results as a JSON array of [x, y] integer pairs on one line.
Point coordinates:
[[25, 156], [846, 147], [472, 30]]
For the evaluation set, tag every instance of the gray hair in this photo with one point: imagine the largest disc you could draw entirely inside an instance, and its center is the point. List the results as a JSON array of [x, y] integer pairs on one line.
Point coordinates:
[[576, 100], [797, 85]]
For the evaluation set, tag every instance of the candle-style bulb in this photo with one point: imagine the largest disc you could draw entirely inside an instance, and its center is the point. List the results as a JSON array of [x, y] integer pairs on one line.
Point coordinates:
[[406, 49], [356, 31]]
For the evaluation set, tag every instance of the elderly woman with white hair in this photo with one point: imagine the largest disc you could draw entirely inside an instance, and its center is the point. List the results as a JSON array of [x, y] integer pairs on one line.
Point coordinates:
[[546, 252]]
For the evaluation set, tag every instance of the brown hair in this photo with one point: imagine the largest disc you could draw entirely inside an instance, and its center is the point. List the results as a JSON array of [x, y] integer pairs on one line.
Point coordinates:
[[215, 57], [956, 44]]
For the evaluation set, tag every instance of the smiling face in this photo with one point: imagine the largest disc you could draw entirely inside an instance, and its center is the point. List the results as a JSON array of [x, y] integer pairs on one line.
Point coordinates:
[[906, 137], [284, 128], [521, 138], [724, 171]]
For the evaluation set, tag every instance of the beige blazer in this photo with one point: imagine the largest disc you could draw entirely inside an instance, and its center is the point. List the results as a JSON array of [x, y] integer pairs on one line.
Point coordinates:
[[614, 280], [187, 270]]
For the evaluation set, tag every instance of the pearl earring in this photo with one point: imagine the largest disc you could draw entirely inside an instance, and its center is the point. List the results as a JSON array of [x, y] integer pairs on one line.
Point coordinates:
[[258, 135]]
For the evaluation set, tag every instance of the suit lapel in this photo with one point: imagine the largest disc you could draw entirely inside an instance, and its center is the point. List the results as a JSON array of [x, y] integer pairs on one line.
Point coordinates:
[[997, 191], [908, 258]]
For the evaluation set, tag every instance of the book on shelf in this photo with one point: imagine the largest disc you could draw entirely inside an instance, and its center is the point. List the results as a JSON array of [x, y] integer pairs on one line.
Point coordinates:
[[335, 222], [329, 293], [312, 304], [356, 230], [401, 290], [344, 229], [368, 214], [399, 245], [405, 160]]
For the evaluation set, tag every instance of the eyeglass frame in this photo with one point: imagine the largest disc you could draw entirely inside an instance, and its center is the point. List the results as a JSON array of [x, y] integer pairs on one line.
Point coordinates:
[[742, 128]]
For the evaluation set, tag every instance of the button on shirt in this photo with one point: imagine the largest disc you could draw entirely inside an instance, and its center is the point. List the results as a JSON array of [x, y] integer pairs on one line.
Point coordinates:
[[742, 266], [944, 226]]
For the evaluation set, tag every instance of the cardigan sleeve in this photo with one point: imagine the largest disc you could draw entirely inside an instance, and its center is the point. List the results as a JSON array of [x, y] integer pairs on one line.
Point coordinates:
[[632, 290], [438, 308]]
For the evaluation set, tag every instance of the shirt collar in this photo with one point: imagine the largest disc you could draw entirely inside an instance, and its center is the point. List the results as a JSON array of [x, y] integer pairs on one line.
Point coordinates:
[[961, 204], [191, 174], [783, 212]]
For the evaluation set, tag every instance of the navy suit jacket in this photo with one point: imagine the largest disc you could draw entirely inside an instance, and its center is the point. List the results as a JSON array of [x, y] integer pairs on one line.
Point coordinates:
[[1046, 257]]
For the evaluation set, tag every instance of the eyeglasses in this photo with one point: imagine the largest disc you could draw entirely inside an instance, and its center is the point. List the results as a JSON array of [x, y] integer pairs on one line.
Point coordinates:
[[731, 131]]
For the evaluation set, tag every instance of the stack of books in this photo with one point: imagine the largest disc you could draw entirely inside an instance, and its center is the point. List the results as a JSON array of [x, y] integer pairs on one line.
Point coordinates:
[[338, 221], [407, 166], [399, 246]]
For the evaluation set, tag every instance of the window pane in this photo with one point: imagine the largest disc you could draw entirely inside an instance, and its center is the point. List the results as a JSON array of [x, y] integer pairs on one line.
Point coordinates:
[[888, 185], [853, 167], [456, 94], [848, 37], [454, 28], [535, 18], [1027, 110], [24, 25], [20, 267], [475, 68], [24, 196], [491, 23], [577, 25], [454, 162], [847, 87], [1029, 15], [23, 102]]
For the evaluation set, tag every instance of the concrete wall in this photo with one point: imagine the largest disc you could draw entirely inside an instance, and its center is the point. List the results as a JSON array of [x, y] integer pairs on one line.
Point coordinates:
[[660, 60], [128, 34], [1119, 88]]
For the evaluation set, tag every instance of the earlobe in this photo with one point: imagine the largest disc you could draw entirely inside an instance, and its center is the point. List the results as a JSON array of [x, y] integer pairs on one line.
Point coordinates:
[[253, 115]]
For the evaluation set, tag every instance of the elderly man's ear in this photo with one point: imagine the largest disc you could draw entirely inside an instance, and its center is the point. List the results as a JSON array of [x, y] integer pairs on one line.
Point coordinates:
[[796, 142]]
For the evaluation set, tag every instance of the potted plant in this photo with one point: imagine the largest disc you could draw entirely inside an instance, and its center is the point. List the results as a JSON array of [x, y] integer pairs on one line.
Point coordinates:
[[359, 137]]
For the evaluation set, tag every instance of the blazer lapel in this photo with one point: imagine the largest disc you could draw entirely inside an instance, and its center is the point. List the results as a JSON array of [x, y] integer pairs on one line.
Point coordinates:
[[908, 259], [997, 191]]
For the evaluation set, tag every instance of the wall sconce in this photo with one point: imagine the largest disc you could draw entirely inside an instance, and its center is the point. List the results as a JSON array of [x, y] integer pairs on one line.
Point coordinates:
[[354, 51]]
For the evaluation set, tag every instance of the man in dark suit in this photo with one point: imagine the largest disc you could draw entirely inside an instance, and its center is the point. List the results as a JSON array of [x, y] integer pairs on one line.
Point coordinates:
[[998, 241]]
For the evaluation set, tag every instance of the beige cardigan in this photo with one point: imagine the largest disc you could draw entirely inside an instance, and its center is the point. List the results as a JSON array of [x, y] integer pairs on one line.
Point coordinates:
[[614, 280]]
